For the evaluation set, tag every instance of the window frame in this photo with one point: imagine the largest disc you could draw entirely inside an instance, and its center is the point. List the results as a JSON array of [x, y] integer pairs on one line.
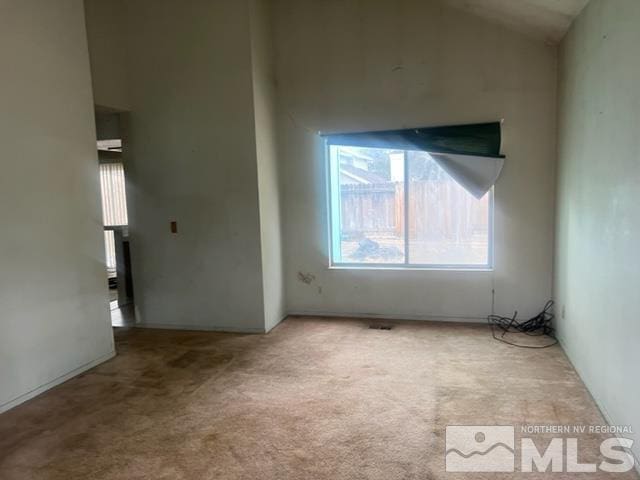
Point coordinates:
[[333, 204]]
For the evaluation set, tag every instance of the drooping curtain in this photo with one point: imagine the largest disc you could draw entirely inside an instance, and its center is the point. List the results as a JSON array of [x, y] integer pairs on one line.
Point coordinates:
[[470, 154]]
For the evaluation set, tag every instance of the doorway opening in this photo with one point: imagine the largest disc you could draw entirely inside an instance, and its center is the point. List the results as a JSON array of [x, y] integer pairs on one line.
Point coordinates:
[[116, 232]]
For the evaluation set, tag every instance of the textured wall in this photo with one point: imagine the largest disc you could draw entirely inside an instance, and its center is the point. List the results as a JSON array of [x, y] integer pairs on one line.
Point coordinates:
[[192, 159], [107, 39], [53, 288], [264, 103], [352, 66], [597, 273]]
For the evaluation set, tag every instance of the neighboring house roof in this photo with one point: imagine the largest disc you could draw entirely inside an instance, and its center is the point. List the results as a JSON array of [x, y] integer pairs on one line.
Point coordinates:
[[358, 175], [353, 152]]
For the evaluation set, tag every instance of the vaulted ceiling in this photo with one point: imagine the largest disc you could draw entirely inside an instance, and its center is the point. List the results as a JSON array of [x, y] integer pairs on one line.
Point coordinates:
[[544, 19]]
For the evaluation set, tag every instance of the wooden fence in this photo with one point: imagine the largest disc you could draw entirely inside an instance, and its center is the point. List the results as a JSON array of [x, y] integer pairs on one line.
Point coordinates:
[[441, 210], [371, 209]]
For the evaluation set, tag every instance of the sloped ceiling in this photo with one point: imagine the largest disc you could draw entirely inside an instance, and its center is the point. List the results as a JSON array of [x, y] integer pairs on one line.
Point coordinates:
[[548, 20]]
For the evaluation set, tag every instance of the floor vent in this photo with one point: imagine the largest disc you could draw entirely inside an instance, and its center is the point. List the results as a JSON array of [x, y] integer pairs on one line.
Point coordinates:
[[380, 327]]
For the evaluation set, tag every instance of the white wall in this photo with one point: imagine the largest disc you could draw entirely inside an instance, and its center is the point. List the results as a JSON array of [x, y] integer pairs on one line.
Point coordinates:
[[192, 159], [203, 153], [264, 103], [597, 273], [53, 291], [106, 34], [353, 66]]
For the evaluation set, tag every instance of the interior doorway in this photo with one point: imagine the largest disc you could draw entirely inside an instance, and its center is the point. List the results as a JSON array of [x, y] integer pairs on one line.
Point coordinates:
[[115, 221]]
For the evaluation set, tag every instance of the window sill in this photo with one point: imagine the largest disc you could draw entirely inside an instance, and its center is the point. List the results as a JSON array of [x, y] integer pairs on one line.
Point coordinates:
[[410, 268]]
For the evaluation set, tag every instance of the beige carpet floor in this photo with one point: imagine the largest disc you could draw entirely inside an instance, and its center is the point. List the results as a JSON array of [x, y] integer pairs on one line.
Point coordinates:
[[313, 399]]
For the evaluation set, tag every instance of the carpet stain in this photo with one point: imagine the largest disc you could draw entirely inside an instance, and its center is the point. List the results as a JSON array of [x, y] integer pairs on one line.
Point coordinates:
[[313, 399]]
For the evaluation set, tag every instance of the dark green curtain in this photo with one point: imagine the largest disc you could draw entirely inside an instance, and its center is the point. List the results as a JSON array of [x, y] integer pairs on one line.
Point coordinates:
[[479, 139]]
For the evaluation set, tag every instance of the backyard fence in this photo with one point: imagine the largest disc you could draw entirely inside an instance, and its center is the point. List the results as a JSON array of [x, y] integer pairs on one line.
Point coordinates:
[[436, 210], [371, 209]]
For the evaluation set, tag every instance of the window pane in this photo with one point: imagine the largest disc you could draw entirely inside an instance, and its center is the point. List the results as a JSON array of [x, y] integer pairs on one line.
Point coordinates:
[[447, 225], [367, 205]]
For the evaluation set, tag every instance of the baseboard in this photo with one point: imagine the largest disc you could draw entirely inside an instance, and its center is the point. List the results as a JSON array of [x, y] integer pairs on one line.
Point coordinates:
[[385, 316], [313, 313], [56, 381], [201, 328], [599, 404], [267, 330]]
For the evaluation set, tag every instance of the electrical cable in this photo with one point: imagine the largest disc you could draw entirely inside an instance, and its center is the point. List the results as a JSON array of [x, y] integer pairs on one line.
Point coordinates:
[[540, 325]]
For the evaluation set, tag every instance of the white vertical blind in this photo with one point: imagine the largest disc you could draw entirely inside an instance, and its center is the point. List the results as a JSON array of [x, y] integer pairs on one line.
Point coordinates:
[[110, 252], [114, 199]]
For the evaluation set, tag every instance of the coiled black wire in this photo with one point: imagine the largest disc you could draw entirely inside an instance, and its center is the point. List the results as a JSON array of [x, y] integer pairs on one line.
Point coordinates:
[[540, 325]]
